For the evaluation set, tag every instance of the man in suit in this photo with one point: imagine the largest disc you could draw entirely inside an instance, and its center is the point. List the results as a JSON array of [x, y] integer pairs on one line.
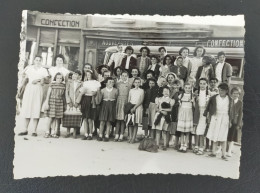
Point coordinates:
[[223, 70], [144, 61], [129, 61]]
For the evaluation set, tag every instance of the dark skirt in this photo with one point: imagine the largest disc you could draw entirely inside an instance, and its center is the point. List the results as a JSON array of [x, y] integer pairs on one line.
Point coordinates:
[[86, 108], [108, 111], [232, 133]]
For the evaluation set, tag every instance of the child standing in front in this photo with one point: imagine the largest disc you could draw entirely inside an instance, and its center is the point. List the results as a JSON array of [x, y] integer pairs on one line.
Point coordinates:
[[123, 87], [202, 97], [162, 117], [136, 97], [72, 92], [107, 113], [219, 109], [55, 105], [185, 116]]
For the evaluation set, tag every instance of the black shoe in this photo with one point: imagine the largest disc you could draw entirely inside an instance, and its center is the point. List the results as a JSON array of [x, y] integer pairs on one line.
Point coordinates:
[[23, 133], [99, 138], [106, 139], [89, 138], [84, 138], [34, 134], [94, 133]]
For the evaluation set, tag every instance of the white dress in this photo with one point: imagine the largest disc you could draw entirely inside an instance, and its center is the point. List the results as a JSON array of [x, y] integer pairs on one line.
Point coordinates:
[[195, 64], [219, 124], [136, 96], [202, 124], [33, 94]]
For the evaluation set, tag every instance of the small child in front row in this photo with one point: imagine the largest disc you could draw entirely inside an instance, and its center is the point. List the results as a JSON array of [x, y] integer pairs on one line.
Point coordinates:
[[185, 116], [55, 105], [107, 113], [136, 97], [236, 123], [199, 121], [162, 117], [219, 109], [72, 92]]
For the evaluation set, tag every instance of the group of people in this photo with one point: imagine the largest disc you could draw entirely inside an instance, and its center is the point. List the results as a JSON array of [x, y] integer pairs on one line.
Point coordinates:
[[174, 99]]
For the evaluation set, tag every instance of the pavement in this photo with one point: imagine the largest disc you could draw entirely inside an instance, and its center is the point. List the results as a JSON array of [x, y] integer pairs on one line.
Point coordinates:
[[43, 157]]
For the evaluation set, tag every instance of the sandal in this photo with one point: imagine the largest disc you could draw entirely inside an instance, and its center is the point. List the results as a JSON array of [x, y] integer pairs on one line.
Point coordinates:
[[200, 152], [47, 135], [224, 158], [54, 136]]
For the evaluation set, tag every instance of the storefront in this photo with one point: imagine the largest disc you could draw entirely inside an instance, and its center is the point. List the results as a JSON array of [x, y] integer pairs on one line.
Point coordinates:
[[84, 38]]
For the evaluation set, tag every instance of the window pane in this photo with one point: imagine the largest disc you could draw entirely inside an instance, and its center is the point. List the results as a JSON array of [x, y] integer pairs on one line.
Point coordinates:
[[236, 66], [71, 55]]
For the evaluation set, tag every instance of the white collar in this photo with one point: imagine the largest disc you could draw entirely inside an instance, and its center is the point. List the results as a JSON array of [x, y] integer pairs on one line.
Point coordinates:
[[109, 89]]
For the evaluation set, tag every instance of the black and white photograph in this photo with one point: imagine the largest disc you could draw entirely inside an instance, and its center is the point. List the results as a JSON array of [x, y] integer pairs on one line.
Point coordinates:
[[129, 94]]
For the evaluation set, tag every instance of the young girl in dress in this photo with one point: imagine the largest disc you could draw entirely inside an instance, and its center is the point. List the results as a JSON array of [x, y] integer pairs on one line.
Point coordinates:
[[107, 113], [219, 109], [87, 100], [196, 61], [136, 97], [202, 97], [123, 87], [150, 106], [162, 117], [184, 52], [237, 119], [55, 105], [185, 116]]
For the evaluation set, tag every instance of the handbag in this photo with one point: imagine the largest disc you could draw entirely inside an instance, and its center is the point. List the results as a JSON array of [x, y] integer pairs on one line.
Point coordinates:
[[72, 118]]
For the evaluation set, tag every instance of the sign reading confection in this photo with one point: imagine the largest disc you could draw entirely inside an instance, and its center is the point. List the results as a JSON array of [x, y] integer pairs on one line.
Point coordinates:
[[225, 43], [60, 21]]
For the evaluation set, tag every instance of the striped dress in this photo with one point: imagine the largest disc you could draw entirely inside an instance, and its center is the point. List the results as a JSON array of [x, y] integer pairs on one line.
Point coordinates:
[[56, 101]]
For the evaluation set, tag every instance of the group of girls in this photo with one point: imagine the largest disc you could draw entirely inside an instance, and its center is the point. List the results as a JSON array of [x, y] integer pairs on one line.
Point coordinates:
[[175, 100]]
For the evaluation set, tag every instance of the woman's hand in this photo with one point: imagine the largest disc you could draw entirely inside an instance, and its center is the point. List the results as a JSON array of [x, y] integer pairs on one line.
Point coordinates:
[[164, 112], [132, 110]]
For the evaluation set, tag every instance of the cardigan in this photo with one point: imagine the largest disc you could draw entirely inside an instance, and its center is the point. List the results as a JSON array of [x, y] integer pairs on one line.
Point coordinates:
[[211, 107], [238, 113], [132, 62], [226, 71]]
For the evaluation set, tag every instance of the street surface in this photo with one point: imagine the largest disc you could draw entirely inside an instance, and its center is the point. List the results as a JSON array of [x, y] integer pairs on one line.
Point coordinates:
[[41, 157]]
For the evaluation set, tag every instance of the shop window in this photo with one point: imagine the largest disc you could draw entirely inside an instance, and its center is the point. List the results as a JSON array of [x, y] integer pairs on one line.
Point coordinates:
[[71, 54], [47, 54]]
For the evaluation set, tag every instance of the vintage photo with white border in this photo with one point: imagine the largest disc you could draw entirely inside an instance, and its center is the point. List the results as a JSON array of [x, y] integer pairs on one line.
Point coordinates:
[[129, 94]]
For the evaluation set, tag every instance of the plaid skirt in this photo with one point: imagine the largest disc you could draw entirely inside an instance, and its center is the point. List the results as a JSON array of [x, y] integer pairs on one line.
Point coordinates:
[[56, 108]]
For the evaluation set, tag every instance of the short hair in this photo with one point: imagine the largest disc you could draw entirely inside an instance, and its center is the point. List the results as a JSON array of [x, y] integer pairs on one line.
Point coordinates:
[[100, 67], [107, 79], [38, 56], [208, 59], [57, 74], [125, 72], [106, 71], [221, 53], [171, 73], [77, 72], [145, 48], [151, 79], [129, 48], [59, 56], [184, 48], [235, 89], [162, 48], [118, 67], [167, 56], [223, 86], [150, 72], [195, 51], [166, 87], [205, 79], [154, 56], [135, 68], [213, 78]]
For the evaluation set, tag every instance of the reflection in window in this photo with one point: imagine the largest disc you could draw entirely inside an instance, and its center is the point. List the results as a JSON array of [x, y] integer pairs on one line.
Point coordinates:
[[47, 55], [71, 55]]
